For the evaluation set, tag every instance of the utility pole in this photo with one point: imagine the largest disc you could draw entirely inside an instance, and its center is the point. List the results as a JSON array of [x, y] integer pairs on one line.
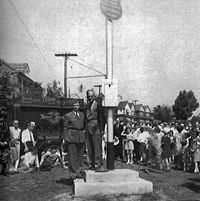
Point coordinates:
[[66, 56]]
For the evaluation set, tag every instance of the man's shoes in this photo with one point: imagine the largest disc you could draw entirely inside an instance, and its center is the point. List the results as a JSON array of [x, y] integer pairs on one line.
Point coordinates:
[[81, 175], [73, 176], [37, 169], [101, 169], [91, 167]]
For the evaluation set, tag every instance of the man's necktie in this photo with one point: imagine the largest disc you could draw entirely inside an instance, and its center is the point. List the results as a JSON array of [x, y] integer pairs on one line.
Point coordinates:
[[77, 114]]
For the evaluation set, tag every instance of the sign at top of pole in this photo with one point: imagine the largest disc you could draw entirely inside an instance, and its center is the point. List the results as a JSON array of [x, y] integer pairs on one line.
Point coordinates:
[[111, 9]]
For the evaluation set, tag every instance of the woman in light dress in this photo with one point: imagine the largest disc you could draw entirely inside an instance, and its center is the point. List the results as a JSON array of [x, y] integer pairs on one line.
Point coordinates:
[[196, 149], [128, 146]]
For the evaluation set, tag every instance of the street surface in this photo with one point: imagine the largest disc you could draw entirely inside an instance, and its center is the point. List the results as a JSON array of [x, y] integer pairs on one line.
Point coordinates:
[[54, 185]]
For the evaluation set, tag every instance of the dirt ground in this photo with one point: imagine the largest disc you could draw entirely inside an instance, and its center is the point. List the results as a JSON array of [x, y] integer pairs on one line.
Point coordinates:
[[55, 185], [169, 186]]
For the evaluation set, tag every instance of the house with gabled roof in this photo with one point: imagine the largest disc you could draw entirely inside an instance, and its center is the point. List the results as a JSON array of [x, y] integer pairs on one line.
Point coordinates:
[[139, 111], [14, 67], [132, 107], [20, 67], [134, 111], [23, 86], [124, 108], [147, 111]]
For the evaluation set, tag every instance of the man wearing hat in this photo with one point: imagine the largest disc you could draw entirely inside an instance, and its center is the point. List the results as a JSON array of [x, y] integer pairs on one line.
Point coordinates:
[[74, 136]]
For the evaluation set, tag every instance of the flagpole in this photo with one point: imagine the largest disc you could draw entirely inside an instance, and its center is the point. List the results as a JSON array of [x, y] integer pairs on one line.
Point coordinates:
[[109, 67], [106, 36], [112, 11]]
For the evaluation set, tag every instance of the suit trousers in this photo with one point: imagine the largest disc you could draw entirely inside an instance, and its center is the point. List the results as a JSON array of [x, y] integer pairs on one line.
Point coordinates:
[[75, 151], [94, 146]]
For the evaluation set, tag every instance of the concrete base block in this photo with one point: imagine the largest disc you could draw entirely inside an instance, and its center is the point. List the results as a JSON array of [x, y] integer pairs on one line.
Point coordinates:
[[112, 176], [120, 181]]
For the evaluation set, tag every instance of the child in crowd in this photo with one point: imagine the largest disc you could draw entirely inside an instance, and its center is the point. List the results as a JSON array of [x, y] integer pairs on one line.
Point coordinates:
[[172, 145], [196, 150], [166, 149], [129, 146]]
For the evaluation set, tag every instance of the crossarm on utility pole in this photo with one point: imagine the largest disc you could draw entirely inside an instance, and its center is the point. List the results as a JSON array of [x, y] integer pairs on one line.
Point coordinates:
[[66, 56]]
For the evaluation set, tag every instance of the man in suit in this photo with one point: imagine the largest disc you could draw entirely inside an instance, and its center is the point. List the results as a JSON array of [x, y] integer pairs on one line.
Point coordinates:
[[94, 134], [117, 135], [74, 136]]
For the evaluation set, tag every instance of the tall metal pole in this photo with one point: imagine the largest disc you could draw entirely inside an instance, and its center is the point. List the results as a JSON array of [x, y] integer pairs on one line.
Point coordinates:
[[65, 77], [113, 11], [109, 70]]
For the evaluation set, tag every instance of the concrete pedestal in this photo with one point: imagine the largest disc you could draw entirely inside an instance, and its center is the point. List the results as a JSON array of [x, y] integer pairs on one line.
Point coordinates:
[[118, 181]]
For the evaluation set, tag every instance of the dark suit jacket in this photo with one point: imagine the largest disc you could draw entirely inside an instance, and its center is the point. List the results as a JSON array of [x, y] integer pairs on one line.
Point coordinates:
[[95, 117], [74, 127]]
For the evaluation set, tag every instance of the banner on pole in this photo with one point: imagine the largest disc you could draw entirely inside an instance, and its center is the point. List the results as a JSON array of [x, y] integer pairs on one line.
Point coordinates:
[[111, 9]]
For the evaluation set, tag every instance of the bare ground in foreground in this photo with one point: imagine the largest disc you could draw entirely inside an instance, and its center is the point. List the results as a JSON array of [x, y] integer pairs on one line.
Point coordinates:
[[55, 185]]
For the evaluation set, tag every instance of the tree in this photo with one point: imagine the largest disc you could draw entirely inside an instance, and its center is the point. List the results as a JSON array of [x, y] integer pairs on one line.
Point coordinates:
[[162, 113], [54, 89], [195, 119], [184, 105]]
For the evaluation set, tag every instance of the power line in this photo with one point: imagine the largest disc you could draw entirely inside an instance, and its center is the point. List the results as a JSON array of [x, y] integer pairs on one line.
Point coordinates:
[[86, 66], [28, 31], [85, 76], [36, 45]]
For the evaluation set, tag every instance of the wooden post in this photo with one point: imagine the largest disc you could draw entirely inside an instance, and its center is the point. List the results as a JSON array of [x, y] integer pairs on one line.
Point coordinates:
[[65, 76], [65, 55]]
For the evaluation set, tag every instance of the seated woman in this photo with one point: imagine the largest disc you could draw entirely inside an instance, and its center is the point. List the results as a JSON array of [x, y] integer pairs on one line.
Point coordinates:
[[30, 157], [50, 158]]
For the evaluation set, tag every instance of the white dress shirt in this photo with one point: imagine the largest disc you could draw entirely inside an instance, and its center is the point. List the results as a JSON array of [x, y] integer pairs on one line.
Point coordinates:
[[27, 135], [15, 132], [143, 137]]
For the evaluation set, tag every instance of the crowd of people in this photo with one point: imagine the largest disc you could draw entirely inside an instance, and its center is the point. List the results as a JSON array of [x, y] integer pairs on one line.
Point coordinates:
[[19, 150], [162, 145]]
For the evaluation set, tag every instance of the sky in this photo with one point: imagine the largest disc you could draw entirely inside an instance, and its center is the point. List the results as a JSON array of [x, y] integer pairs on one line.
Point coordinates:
[[156, 44]]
